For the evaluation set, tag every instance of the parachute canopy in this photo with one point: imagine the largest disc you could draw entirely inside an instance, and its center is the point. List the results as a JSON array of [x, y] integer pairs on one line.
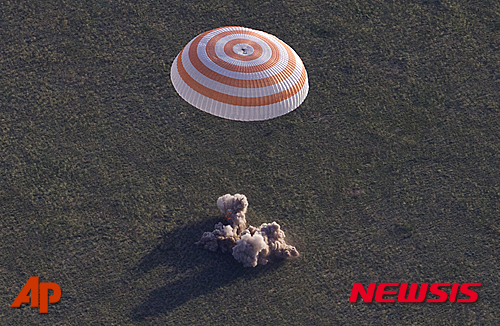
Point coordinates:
[[239, 73]]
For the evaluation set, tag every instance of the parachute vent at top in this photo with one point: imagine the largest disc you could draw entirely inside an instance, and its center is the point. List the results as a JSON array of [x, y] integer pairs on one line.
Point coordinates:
[[241, 74]]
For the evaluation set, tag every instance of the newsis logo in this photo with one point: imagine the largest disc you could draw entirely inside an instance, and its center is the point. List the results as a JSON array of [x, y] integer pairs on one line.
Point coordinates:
[[45, 299], [402, 294]]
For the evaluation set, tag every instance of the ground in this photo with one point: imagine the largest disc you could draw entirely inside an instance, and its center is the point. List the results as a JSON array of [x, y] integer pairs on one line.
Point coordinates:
[[388, 172]]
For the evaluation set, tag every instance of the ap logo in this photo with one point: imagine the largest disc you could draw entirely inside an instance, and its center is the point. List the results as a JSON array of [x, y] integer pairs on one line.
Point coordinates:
[[32, 286]]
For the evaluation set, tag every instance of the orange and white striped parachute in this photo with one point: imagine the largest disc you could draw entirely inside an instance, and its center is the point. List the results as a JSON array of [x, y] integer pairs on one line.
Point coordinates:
[[240, 73]]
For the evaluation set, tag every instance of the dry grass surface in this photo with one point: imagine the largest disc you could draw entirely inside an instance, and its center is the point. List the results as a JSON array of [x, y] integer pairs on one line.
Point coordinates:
[[387, 173]]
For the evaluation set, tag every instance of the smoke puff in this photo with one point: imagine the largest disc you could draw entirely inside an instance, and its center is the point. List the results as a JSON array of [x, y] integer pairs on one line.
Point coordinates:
[[250, 246], [223, 237], [234, 209], [236, 203], [275, 237]]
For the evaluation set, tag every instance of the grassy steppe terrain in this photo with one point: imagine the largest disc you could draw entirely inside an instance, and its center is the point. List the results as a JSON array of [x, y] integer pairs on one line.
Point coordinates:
[[389, 171]]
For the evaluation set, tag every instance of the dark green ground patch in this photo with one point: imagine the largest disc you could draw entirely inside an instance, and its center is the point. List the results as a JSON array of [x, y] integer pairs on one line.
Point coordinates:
[[387, 173]]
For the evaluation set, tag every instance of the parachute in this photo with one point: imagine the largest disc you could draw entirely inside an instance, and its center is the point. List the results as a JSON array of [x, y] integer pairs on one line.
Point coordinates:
[[241, 74]]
